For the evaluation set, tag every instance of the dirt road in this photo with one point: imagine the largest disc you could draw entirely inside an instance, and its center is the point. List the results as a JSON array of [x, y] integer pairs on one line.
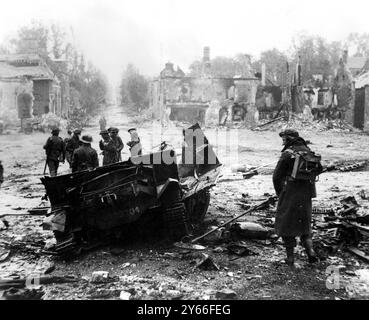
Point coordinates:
[[156, 269]]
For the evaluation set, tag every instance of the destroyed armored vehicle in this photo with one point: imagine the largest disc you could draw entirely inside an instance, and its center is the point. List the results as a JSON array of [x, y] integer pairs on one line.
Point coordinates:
[[89, 206]]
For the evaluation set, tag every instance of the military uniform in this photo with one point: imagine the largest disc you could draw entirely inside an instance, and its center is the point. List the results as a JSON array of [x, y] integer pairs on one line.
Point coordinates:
[[294, 207], [119, 145], [55, 152], [108, 148], [72, 144], [85, 157]]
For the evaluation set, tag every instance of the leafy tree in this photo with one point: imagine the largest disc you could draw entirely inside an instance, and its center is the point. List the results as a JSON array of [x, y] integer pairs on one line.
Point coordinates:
[[359, 42], [58, 41], [4, 49], [195, 68], [34, 38], [317, 56], [275, 65]]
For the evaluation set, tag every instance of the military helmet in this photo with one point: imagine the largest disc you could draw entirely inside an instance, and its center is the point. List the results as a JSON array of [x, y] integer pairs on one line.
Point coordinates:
[[77, 131], [102, 132], [55, 130], [289, 132], [86, 138]]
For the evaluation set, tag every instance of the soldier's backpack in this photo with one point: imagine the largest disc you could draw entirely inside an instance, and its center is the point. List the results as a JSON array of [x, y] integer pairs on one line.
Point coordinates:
[[307, 165]]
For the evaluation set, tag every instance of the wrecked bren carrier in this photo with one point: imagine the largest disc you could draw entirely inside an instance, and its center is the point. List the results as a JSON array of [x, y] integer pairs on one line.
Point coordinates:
[[89, 206]]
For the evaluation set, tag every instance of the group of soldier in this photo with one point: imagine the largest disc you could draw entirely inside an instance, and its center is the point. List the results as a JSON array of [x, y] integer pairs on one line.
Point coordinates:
[[294, 208], [77, 150]]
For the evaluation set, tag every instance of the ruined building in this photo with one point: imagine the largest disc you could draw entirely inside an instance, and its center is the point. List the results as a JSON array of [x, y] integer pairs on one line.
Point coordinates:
[[344, 89], [27, 88], [176, 96]]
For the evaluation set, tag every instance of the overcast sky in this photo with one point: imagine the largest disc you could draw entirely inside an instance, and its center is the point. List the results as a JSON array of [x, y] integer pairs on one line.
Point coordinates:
[[147, 33]]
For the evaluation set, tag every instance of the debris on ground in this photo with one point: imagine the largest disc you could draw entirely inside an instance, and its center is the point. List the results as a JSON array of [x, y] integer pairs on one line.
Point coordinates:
[[4, 254], [342, 228], [226, 294], [364, 195], [4, 225], [207, 263], [358, 288], [99, 277], [21, 282], [249, 230], [124, 295], [249, 268], [240, 249], [23, 294], [298, 124]]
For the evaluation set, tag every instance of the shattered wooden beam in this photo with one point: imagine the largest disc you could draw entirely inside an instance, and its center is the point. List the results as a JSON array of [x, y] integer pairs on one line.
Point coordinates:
[[364, 230], [269, 122], [360, 254]]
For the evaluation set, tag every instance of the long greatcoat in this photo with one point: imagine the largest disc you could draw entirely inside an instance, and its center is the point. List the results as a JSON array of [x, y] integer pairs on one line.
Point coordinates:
[[84, 158], [109, 151], [294, 205]]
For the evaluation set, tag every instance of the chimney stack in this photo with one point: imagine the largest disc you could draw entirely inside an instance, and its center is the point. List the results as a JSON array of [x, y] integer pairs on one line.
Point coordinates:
[[206, 56]]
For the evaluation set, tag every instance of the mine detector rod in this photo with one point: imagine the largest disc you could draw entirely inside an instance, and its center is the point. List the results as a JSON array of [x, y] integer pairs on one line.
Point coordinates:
[[256, 207]]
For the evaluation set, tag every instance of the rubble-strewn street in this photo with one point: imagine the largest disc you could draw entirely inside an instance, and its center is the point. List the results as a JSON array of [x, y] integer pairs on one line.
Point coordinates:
[[153, 268], [206, 152]]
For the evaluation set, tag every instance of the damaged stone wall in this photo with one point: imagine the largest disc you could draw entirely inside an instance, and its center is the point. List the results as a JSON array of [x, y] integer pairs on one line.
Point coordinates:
[[9, 90], [366, 110], [344, 88], [169, 90]]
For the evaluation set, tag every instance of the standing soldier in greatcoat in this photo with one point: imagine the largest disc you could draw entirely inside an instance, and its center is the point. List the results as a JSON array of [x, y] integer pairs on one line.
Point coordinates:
[[108, 148], [85, 157], [73, 144], [294, 208], [117, 141]]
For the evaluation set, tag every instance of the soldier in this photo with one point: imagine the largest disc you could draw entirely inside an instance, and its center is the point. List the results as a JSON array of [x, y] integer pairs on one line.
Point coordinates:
[[134, 145], [55, 152], [72, 144], [102, 123], [294, 208], [117, 141], [108, 148], [85, 157], [66, 140]]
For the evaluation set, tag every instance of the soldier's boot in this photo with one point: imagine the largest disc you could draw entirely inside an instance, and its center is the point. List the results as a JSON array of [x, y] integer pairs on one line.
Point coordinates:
[[290, 260], [308, 245]]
